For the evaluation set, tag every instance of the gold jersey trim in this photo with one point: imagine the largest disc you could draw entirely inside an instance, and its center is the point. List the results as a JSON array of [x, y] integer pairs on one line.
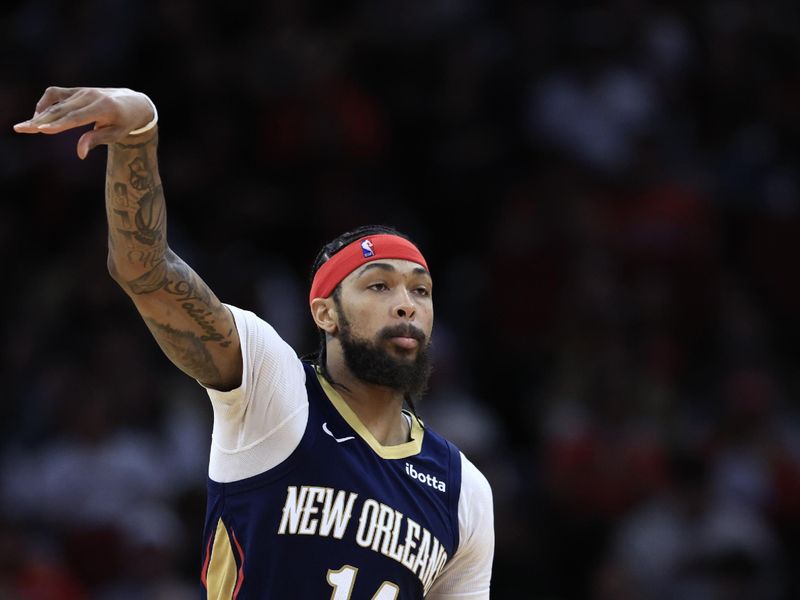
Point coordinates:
[[404, 450], [222, 575]]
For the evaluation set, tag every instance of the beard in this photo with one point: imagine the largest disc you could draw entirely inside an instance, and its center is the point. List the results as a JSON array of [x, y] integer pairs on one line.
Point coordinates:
[[371, 362]]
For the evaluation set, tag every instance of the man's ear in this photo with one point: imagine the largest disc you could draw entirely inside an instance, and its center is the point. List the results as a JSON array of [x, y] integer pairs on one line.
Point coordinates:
[[323, 310]]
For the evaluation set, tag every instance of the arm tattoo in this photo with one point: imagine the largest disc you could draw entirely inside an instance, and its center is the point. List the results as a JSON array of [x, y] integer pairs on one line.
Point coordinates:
[[135, 207], [184, 348], [194, 297], [142, 261], [152, 280]]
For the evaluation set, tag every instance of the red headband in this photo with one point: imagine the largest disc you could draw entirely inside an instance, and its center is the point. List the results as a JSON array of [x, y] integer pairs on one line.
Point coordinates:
[[360, 252]]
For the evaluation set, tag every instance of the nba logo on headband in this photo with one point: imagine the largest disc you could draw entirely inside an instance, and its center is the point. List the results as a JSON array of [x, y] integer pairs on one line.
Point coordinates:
[[366, 249]]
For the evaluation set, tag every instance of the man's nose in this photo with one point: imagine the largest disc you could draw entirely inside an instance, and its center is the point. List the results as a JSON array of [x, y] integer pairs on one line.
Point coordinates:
[[405, 308]]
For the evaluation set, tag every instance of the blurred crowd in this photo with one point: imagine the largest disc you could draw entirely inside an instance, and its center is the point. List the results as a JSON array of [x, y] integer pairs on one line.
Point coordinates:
[[607, 194]]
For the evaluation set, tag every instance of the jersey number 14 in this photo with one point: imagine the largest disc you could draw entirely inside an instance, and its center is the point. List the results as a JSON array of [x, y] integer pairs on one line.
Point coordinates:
[[342, 580]]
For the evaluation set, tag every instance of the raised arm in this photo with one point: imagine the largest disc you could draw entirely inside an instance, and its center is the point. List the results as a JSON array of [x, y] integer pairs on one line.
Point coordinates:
[[191, 326]]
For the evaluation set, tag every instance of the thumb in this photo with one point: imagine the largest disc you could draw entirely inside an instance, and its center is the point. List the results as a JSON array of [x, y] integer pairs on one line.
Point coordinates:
[[103, 135]]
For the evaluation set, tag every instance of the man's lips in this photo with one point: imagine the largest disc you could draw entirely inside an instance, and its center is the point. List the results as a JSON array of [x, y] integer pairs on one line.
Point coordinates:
[[409, 343]]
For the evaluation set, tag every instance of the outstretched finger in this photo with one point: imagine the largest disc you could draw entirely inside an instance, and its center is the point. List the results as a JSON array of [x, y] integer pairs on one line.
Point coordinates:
[[52, 95], [74, 118], [54, 112], [64, 108]]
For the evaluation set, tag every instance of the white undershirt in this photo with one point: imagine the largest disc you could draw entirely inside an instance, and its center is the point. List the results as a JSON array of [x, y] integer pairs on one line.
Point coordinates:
[[260, 423]]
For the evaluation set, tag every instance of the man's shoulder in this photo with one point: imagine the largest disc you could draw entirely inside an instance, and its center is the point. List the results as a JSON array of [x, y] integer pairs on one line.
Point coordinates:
[[473, 480]]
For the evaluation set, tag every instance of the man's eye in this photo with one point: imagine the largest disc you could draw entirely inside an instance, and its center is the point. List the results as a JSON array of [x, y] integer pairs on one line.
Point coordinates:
[[379, 287], [422, 291]]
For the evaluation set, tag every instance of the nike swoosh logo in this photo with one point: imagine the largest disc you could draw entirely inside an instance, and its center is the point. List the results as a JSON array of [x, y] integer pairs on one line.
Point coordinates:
[[340, 440]]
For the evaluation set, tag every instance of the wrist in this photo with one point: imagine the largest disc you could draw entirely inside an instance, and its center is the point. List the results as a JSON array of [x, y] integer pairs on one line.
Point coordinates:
[[138, 140], [151, 125]]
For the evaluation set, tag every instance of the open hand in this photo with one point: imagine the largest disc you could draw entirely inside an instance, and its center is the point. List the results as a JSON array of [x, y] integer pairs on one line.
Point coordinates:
[[115, 112]]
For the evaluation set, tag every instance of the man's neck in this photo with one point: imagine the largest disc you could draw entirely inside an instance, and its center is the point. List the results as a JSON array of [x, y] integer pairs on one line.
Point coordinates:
[[379, 408]]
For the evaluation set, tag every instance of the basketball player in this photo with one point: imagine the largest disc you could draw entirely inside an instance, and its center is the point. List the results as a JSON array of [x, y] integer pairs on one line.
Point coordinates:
[[320, 484]]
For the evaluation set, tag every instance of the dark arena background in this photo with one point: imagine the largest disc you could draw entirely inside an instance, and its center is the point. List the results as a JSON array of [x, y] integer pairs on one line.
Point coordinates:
[[608, 196]]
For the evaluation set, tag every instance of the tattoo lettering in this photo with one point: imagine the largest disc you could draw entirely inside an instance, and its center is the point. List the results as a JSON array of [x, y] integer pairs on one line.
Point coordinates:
[[200, 315], [196, 300], [148, 258], [187, 285]]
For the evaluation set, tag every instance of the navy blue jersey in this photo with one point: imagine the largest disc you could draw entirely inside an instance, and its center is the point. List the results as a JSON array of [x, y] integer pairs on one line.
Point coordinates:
[[341, 518]]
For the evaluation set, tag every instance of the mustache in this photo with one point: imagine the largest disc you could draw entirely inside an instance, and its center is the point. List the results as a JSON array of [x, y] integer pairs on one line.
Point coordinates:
[[402, 330]]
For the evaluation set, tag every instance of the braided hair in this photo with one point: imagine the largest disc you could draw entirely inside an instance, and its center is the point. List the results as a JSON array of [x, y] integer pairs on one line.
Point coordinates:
[[320, 359]]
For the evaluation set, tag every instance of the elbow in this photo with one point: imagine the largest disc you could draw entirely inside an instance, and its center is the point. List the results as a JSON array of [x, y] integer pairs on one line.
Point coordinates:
[[135, 279], [116, 275]]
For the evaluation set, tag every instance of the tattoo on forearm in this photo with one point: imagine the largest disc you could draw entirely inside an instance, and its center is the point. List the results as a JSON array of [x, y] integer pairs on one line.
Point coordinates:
[[136, 209], [186, 349], [148, 258], [195, 299], [124, 216], [140, 178], [137, 234], [149, 217], [153, 280], [121, 194]]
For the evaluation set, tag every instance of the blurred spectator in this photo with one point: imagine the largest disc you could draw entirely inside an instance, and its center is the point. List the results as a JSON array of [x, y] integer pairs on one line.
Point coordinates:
[[689, 543], [609, 197]]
